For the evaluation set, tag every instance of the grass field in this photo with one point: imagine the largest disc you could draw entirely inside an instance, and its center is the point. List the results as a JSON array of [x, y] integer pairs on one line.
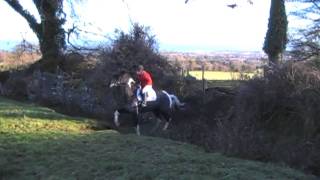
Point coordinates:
[[221, 75], [37, 143]]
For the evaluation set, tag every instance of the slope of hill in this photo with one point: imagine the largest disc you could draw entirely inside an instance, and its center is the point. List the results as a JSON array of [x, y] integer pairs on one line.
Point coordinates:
[[37, 143]]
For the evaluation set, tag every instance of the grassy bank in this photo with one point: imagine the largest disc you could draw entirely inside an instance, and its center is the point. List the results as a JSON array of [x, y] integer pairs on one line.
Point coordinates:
[[37, 143]]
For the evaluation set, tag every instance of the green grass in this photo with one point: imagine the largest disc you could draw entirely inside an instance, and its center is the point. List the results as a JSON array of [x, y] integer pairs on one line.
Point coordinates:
[[37, 143]]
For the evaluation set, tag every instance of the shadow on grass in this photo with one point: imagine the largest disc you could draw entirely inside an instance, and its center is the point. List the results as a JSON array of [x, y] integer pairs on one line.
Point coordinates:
[[106, 155]]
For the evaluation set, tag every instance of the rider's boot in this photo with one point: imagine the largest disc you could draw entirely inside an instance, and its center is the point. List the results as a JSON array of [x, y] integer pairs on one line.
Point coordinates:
[[144, 101]]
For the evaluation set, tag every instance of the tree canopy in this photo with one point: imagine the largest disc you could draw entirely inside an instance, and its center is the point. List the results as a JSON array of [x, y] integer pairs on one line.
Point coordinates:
[[276, 37]]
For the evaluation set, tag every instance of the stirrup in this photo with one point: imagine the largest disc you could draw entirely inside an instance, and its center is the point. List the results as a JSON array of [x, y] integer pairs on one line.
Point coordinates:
[[143, 103]]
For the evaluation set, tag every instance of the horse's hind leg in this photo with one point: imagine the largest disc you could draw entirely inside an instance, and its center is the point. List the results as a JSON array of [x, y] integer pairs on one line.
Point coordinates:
[[138, 130], [165, 127], [157, 124], [168, 120], [159, 117]]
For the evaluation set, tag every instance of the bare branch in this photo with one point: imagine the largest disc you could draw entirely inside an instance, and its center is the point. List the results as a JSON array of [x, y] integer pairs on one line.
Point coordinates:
[[26, 14], [76, 30]]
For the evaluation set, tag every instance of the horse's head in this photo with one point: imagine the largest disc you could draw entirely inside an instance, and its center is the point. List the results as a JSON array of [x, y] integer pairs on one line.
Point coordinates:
[[122, 79], [124, 86]]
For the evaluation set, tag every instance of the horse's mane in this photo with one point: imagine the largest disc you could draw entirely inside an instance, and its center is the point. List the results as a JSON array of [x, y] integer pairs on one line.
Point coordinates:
[[122, 76]]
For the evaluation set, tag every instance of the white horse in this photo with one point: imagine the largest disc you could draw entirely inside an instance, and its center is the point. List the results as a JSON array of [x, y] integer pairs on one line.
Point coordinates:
[[163, 107]]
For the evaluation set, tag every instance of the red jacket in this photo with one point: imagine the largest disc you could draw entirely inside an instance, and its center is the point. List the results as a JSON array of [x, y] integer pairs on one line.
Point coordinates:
[[144, 78]]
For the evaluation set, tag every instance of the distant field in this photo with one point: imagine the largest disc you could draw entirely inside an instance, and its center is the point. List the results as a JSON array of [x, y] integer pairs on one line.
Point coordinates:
[[12, 61], [220, 75]]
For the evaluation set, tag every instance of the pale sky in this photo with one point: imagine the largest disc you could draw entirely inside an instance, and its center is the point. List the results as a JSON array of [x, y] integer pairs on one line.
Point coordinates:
[[200, 25]]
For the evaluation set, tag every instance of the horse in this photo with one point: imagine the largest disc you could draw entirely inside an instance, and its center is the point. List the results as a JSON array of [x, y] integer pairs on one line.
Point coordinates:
[[163, 107]]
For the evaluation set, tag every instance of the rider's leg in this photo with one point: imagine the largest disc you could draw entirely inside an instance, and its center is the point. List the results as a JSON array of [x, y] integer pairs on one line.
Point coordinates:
[[144, 99], [139, 94], [145, 95]]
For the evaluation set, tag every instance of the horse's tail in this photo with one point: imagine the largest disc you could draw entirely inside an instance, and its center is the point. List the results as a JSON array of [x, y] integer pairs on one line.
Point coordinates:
[[174, 101], [169, 97], [177, 103]]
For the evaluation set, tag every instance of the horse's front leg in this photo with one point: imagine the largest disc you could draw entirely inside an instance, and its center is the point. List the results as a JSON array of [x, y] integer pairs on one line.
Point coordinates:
[[156, 125], [137, 121], [158, 118], [167, 117], [116, 118], [138, 126]]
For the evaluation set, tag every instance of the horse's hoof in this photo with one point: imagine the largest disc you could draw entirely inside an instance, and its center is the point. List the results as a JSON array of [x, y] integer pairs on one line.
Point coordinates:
[[165, 126], [116, 122], [138, 130]]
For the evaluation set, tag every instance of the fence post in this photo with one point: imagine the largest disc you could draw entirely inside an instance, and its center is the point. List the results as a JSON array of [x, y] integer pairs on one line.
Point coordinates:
[[203, 80]]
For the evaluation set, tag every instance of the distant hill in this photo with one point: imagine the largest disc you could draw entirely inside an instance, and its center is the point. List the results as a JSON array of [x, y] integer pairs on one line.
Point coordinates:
[[8, 45], [218, 61], [221, 55]]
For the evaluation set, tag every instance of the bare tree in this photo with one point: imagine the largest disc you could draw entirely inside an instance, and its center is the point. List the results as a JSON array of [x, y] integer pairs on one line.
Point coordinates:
[[229, 5], [49, 29], [306, 42]]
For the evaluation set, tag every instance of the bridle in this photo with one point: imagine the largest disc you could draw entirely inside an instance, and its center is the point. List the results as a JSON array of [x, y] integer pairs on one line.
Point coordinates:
[[129, 86]]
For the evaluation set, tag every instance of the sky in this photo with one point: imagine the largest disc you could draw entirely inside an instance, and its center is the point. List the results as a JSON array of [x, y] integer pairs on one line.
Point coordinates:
[[199, 25]]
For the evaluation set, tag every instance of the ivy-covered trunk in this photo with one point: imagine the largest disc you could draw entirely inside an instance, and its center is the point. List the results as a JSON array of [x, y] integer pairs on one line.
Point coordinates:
[[52, 35]]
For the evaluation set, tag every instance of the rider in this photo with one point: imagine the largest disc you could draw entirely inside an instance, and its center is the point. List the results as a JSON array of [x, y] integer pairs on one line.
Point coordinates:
[[145, 80]]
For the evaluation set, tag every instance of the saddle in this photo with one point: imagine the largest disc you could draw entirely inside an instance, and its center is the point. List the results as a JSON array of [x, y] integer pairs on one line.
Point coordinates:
[[151, 95]]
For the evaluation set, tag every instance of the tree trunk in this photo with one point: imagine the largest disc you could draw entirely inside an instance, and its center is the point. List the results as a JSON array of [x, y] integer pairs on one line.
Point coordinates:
[[52, 35], [274, 59]]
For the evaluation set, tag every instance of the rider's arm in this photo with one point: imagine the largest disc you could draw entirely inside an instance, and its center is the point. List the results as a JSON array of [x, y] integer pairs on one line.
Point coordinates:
[[148, 78]]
